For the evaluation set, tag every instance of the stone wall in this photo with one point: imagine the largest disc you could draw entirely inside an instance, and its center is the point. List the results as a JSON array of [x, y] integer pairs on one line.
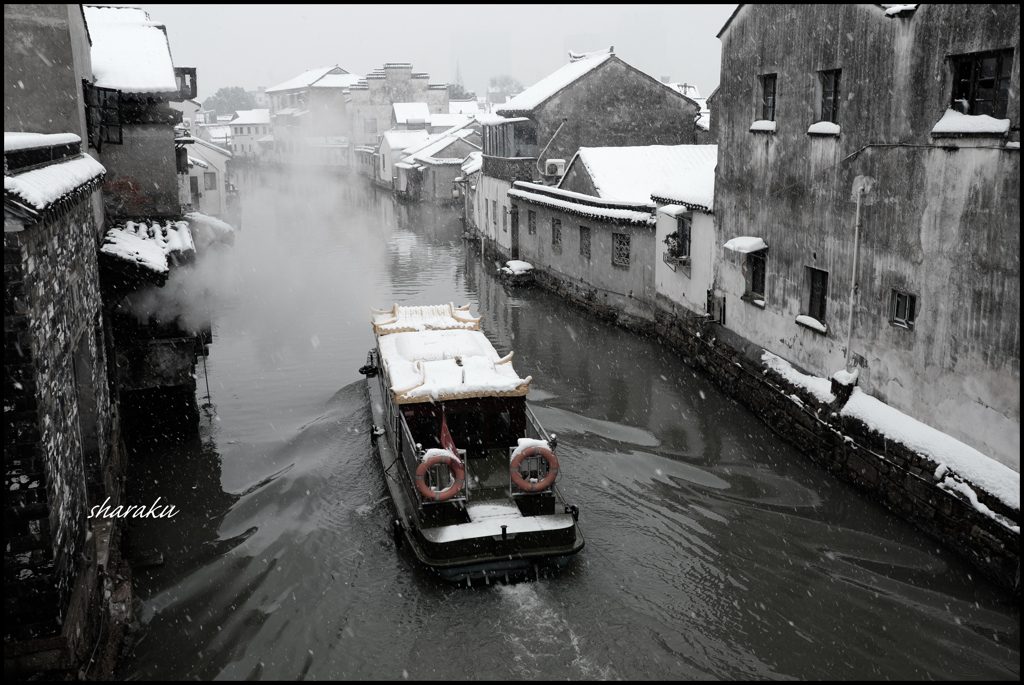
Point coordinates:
[[889, 472], [60, 437]]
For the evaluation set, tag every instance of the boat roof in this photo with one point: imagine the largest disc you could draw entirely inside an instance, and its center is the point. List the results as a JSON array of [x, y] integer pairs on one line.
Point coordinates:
[[438, 353]]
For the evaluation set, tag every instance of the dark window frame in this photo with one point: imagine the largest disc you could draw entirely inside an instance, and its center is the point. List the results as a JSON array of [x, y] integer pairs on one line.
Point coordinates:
[[556, 232], [531, 222], [617, 240], [768, 100], [210, 180], [831, 81], [909, 309], [969, 89], [103, 115], [818, 296], [585, 245], [757, 273]]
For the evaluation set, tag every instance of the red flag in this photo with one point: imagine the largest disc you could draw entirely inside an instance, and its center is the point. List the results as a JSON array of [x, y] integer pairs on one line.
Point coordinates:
[[446, 436]]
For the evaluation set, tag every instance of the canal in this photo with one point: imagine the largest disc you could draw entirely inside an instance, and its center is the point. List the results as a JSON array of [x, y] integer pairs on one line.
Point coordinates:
[[714, 550]]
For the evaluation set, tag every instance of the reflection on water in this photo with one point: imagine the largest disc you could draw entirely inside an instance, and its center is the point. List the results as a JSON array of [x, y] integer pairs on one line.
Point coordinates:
[[713, 550]]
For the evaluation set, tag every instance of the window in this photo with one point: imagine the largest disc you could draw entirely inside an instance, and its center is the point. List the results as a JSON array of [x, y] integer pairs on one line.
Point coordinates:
[[679, 242], [556, 232], [102, 115], [531, 222], [504, 218], [210, 179], [620, 249], [768, 97], [248, 130], [757, 267], [904, 307], [487, 213], [830, 95], [494, 211], [819, 293], [585, 241], [981, 82]]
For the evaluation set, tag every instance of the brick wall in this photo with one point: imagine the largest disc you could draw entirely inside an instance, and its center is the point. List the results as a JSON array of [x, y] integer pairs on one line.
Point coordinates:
[[59, 429]]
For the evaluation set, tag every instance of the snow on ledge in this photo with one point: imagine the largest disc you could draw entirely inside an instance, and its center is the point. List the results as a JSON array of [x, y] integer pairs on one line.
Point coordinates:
[[824, 128], [763, 126], [997, 479], [811, 322], [745, 244], [953, 123], [20, 140], [821, 388]]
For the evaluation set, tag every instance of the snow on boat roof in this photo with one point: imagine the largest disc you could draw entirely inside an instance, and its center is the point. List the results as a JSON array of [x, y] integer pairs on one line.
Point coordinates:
[[411, 111], [554, 82], [129, 52], [631, 174], [305, 79], [148, 244], [40, 188], [251, 116], [438, 317], [20, 140]]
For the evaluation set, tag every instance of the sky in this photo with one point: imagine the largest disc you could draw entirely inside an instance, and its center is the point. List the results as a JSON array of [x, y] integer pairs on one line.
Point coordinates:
[[263, 45]]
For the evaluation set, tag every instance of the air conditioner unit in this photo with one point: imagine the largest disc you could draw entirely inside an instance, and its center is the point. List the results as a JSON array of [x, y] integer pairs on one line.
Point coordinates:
[[554, 167], [187, 123]]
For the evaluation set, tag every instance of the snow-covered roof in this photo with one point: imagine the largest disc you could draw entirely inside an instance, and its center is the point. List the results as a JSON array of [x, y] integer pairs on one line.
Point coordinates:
[[439, 353], [336, 81], [553, 83], [148, 244], [474, 162], [411, 111], [189, 140], [305, 79], [632, 174], [20, 140], [582, 205], [41, 187], [448, 120], [129, 52], [400, 140], [251, 116], [442, 143], [691, 184], [463, 107], [195, 161]]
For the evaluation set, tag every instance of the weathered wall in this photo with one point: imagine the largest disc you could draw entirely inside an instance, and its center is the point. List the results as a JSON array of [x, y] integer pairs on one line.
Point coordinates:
[[490, 190], [940, 221], [142, 179], [46, 56], [59, 427], [688, 284]]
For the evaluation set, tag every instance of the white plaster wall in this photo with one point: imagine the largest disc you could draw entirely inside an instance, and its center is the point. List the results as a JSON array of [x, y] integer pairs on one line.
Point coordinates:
[[690, 290], [490, 189]]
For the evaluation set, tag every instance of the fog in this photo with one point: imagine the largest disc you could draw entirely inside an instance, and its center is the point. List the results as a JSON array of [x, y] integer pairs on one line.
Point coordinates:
[[263, 45]]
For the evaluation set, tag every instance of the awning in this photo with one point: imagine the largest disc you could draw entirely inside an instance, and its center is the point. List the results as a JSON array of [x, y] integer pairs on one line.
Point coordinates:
[[745, 244]]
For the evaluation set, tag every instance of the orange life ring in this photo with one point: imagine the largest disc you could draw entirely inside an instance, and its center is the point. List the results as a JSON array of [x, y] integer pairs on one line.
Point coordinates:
[[457, 470], [521, 482]]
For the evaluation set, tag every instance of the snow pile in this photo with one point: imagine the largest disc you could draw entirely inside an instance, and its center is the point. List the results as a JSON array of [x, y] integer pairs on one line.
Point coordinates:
[[129, 52], [811, 322], [632, 174], [514, 267], [148, 244], [444, 364], [844, 377], [896, 10], [526, 443], [824, 128], [207, 230], [998, 480], [763, 125], [552, 83], [19, 140], [821, 388], [422, 318], [745, 244], [953, 122], [41, 187]]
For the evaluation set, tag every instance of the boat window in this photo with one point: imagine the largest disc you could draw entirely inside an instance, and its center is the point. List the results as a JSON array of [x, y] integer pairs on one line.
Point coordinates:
[[467, 428]]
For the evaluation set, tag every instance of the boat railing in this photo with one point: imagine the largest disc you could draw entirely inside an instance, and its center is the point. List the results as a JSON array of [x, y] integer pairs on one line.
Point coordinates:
[[411, 457]]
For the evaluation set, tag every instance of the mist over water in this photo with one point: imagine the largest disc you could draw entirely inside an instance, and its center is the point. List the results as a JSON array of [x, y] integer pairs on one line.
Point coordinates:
[[713, 549]]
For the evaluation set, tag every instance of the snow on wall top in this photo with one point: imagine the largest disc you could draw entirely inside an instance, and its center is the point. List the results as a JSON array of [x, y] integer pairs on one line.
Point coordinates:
[[422, 318], [19, 140], [447, 364], [303, 80], [148, 244], [554, 82], [129, 52], [632, 174], [821, 388], [251, 116], [411, 111], [39, 188], [999, 480]]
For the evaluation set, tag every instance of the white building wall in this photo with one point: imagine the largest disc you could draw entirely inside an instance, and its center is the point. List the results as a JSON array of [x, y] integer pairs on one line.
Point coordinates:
[[491, 190], [687, 285]]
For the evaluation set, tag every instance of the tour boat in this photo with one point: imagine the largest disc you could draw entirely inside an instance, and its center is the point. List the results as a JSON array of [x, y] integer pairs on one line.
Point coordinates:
[[472, 473]]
